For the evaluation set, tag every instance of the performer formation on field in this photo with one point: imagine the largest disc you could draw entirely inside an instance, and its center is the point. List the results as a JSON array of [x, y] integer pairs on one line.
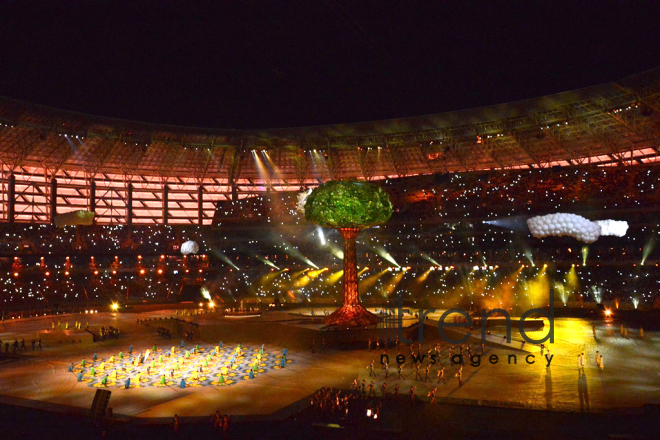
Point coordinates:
[[182, 366], [442, 364]]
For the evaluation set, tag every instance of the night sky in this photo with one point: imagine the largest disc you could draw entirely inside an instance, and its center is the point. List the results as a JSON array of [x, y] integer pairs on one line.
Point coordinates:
[[276, 64]]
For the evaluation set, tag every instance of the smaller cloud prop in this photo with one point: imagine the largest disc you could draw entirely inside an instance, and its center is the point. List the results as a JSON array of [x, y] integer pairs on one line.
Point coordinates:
[[189, 247]]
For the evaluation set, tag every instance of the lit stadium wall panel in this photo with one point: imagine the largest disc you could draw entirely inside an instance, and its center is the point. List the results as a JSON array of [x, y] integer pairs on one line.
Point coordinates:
[[91, 162]]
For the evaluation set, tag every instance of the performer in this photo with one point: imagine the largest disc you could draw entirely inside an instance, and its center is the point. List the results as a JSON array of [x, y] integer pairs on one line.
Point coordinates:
[[417, 373], [441, 375], [432, 395], [459, 375]]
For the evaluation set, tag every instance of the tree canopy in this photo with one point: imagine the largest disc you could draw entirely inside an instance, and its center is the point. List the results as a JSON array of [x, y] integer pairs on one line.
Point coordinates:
[[348, 204]]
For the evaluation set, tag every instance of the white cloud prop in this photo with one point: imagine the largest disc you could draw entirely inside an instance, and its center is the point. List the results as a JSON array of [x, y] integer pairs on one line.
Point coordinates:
[[562, 224], [618, 228], [189, 247]]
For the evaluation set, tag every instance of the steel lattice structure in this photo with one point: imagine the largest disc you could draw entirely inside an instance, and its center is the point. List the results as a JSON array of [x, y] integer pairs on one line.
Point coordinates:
[[54, 161]]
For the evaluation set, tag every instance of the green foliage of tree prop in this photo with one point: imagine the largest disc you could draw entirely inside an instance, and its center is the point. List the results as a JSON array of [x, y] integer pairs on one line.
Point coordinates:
[[349, 206]]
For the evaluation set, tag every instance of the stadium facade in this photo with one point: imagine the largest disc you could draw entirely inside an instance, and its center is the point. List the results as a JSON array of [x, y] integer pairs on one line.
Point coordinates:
[[55, 161]]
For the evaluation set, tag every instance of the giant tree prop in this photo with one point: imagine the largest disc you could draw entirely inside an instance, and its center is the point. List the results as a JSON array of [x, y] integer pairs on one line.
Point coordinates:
[[349, 206]]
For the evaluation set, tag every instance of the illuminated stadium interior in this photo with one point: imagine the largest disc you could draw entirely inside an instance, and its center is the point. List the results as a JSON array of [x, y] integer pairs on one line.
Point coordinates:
[[329, 220], [462, 185]]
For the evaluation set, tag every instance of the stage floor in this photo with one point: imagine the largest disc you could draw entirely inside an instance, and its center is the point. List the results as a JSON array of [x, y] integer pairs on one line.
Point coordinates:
[[630, 377]]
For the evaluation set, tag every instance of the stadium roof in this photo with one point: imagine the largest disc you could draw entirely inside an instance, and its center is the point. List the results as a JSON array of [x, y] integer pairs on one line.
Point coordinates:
[[611, 123]]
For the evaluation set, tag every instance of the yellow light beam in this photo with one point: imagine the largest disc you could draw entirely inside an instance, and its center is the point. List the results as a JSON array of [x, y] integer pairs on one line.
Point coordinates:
[[394, 281], [269, 277], [420, 279], [367, 283], [334, 277]]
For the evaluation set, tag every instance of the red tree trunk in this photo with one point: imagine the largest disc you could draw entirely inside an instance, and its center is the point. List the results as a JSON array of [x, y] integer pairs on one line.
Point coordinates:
[[351, 313]]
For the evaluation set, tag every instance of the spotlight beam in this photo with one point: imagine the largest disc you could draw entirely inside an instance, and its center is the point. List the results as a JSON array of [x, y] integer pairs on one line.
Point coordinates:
[[429, 259], [266, 262], [224, 258], [295, 253], [381, 252]]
